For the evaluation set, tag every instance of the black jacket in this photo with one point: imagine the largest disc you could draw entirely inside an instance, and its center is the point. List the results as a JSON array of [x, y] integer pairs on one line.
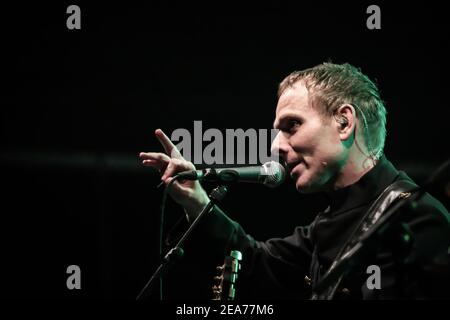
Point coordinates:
[[288, 268]]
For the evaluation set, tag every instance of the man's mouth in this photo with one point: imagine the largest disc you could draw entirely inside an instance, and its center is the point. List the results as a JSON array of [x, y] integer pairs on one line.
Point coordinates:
[[291, 165]]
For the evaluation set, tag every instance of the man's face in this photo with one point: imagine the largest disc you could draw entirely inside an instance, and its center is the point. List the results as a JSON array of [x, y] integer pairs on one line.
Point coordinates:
[[308, 142]]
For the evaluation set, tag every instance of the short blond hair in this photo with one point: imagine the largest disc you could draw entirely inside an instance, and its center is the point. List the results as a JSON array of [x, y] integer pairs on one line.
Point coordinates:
[[332, 85]]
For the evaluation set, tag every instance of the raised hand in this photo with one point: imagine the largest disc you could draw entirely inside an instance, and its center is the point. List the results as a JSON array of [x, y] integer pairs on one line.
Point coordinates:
[[189, 194]]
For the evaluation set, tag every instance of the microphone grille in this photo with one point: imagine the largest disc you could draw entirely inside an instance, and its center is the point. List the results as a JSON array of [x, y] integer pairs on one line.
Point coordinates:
[[274, 174]]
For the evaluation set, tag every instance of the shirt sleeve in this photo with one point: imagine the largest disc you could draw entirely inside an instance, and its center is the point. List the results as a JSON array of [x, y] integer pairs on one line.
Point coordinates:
[[275, 268]]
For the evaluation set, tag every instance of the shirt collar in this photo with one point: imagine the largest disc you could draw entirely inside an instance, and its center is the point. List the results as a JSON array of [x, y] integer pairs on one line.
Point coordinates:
[[365, 190]]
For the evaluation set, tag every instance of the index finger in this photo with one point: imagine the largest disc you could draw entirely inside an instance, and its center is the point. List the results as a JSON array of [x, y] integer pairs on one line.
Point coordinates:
[[168, 145]]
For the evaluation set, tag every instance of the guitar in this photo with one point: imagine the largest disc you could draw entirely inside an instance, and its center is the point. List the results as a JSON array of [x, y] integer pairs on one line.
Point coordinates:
[[225, 281]]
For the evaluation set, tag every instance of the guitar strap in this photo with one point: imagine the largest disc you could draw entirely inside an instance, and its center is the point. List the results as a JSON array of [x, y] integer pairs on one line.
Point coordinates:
[[395, 191]]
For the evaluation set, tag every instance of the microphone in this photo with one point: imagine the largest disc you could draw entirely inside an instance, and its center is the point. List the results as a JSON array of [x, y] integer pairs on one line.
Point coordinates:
[[270, 174]]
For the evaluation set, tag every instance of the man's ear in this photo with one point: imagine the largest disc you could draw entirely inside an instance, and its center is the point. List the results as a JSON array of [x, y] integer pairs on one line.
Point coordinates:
[[345, 120]]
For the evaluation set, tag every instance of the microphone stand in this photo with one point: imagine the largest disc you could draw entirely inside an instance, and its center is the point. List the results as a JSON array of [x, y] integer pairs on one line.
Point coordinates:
[[177, 251]]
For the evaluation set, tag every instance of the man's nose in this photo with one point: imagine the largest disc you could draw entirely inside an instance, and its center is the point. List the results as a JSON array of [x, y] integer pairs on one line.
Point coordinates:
[[279, 145]]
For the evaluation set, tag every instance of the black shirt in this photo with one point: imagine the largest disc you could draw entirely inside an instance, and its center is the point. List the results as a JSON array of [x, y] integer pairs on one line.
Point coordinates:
[[284, 268]]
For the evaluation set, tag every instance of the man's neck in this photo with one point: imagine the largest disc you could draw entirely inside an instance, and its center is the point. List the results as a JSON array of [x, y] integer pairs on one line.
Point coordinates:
[[353, 170]]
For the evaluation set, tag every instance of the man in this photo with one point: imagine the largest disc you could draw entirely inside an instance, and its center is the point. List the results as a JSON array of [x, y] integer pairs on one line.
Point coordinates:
[[331, 123]]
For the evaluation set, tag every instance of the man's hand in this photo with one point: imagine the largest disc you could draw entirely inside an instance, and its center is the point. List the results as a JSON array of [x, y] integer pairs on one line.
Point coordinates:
[[189, 194]]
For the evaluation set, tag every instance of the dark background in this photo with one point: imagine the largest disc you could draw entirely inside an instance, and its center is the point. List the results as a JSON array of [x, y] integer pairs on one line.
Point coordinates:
[[79, 105]]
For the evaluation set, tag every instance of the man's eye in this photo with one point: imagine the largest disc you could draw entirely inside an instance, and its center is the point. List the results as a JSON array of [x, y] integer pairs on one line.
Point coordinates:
[[293, 124]]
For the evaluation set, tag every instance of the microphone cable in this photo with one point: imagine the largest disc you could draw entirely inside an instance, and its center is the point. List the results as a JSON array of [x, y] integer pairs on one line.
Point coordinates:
[[161, 226]]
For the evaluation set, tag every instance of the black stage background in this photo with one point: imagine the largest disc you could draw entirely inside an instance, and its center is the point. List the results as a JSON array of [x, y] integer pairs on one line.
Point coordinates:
[[79, 105]]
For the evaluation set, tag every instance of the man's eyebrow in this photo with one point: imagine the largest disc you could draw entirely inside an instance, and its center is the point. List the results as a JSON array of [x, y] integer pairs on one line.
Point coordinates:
[[286, 116]]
